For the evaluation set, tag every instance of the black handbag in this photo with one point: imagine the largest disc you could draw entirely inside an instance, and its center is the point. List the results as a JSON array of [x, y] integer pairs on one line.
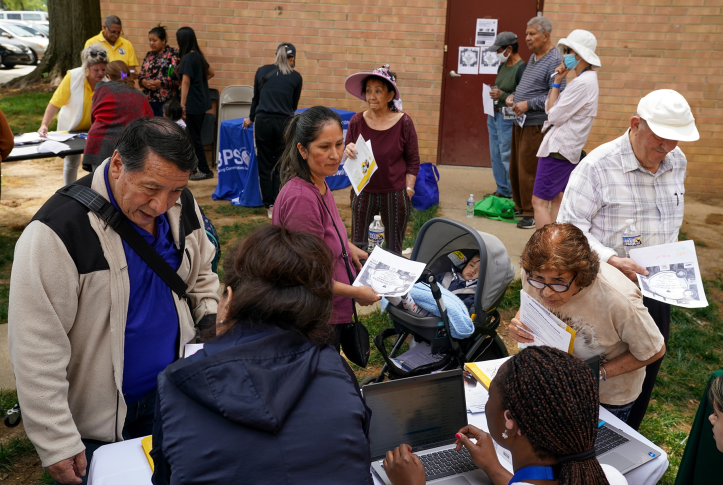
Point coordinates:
[[354, 336]]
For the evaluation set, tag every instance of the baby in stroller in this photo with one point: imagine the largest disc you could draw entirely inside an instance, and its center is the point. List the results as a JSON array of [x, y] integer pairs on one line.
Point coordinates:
[[462, 278]]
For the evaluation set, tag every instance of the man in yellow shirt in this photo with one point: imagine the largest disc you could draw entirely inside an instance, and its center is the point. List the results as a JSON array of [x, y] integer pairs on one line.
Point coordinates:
[[119, 49]]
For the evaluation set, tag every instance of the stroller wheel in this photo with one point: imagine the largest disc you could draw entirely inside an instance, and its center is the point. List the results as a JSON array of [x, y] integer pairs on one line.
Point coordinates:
[[368, 380]]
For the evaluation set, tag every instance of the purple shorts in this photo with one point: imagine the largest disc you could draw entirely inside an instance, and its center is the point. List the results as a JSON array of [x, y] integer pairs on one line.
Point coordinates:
[[552, 176]]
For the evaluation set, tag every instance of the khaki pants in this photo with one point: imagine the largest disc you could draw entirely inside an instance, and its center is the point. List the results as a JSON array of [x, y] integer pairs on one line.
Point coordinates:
[[523, 165]]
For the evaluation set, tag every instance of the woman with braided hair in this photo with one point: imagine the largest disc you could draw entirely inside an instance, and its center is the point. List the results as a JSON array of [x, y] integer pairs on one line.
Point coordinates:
[[543, 408]]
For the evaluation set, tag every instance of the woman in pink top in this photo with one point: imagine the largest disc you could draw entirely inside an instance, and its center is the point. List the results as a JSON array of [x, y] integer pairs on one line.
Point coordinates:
[[395, 147], [314, 146]]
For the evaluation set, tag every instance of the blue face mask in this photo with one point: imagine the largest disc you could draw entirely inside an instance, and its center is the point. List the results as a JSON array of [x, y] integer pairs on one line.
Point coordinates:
[[570, 61]]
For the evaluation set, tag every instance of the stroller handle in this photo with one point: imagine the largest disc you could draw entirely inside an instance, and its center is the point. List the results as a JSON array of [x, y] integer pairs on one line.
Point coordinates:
[[429, 279]]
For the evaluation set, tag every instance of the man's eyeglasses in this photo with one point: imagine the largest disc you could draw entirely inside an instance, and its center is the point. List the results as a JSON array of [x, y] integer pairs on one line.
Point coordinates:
[[556, 287]]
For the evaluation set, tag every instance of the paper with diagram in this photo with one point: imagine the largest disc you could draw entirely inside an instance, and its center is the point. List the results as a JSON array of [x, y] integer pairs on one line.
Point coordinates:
[[673, 274], [546, 328], [468, 61], [360, 169], [389, 274]]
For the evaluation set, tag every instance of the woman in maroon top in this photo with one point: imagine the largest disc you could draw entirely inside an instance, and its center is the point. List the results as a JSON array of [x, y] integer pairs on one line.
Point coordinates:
[[314, 146], [395, 147]]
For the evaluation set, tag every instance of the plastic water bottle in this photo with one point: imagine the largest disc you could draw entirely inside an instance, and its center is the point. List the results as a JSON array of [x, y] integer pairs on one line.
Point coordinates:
[[631, 237], [376, 234], [411, 306], [470, 206]]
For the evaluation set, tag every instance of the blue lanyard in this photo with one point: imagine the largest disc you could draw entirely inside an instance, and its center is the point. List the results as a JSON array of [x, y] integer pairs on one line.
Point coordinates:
[[533, 473]]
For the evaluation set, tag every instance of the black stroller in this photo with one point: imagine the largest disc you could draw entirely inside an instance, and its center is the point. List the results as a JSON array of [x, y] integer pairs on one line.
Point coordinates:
[[436, 240]]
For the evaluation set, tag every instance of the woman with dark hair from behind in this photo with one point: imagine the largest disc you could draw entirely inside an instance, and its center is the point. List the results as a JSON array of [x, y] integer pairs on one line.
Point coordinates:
[[269, 402], [115, 104], [157, 78], [314, 145], [195, 97], [543, 407], [605, 308]]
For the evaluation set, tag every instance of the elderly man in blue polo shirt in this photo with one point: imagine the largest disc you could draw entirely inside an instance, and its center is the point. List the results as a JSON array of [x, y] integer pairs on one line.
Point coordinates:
[[90, 323]]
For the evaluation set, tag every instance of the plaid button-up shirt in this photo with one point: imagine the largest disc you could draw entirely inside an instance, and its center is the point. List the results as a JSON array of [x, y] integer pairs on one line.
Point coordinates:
[[609, 186]]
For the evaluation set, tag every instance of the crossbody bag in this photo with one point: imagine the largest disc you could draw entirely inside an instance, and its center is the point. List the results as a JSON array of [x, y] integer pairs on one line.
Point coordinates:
[[354, 336]]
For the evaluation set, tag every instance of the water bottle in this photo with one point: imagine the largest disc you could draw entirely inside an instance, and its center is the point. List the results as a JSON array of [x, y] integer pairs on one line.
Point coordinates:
[[411, 306], [631, 237], [470, 206], [376, 234]]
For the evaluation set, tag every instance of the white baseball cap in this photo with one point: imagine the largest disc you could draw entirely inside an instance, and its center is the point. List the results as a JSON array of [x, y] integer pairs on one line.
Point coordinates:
[[668, 115]]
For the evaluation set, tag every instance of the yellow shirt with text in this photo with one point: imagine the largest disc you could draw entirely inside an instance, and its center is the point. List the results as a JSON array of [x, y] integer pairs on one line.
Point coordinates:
[[121, 51]]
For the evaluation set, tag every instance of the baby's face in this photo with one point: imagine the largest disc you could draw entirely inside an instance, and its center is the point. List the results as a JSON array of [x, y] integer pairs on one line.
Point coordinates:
[[471, 271]]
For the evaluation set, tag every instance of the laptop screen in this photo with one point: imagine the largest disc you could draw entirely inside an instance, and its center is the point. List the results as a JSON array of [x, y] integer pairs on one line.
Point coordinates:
[[424, 412]]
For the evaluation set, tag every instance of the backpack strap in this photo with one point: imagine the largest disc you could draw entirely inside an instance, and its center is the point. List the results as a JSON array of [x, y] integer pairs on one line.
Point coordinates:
[[268, 75], [105, 210]]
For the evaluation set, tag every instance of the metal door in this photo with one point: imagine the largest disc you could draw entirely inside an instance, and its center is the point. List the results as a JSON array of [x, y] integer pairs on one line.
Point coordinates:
[[463, 136]]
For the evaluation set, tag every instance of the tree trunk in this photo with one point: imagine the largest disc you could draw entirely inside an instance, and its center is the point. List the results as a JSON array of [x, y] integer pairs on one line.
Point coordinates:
[[72, 22]]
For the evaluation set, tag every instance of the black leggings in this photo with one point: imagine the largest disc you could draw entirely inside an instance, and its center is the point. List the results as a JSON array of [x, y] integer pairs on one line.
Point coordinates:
[[193, 126], [269, 139]]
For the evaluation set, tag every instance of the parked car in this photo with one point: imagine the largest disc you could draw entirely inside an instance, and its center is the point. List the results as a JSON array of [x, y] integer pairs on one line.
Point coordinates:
[[37, 44], [26, 16], [12, 53], [36, 29]]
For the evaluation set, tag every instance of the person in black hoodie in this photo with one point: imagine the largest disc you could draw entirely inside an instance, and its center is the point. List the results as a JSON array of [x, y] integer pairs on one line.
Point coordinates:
[[267, 401]]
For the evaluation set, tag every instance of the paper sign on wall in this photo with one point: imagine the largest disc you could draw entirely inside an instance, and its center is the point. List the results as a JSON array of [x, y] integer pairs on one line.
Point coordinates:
[[468, 61], [486, 33]]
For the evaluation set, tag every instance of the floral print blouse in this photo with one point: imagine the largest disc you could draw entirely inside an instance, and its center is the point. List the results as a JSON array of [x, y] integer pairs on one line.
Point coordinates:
[[156, 66]]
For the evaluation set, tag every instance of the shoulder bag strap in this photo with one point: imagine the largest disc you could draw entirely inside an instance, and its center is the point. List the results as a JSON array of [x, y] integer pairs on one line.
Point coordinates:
[[105, 210], [343, 255], [268, 75]]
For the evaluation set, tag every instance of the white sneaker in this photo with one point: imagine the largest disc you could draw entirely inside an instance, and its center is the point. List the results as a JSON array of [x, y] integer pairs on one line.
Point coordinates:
[[270, 211]]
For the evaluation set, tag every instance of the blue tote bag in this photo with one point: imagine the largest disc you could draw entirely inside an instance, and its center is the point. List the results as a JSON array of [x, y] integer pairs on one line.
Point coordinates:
[[426, 191]]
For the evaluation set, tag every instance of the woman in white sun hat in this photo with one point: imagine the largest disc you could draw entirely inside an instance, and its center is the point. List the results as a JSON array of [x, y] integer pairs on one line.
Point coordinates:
[[570, 114], [396, 150]]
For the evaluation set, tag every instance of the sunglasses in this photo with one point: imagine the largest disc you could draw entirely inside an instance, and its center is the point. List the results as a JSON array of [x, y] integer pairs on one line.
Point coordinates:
[[95, 54], [556, 287]]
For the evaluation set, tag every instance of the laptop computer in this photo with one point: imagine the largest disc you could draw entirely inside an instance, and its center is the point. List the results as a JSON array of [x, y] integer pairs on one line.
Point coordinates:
[[620, 450], [424, 412]]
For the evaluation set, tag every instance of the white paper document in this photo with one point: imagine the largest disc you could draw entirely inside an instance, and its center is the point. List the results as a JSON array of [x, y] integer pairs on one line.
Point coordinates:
[[468, 61], [487, 102], [190, 349], [24, 150], [51, 146], [27, 139], [489, 63], [475, 394], [673, 274], [389, 274], [520, 120], [58, 136], [546, 328], [485, 33], [360, 169]]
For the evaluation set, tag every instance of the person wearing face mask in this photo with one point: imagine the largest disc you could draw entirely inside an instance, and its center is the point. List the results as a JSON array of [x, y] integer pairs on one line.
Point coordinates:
[[500, 129], [562, 272], [639, 176], [569, 118]]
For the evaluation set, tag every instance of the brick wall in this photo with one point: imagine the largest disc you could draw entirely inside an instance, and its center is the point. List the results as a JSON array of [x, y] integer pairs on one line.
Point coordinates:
[[646, 45], [333, 38]]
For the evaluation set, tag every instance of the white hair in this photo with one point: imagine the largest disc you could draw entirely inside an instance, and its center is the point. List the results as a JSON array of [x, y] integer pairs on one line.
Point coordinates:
[[282, 61], [542, 24], [100, 58]]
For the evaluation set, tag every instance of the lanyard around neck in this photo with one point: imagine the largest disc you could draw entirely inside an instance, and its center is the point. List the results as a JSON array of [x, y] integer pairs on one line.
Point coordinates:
[[534, 473]]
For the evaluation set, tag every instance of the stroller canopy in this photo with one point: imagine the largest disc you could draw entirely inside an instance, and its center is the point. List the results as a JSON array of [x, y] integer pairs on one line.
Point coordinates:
[[441, 236]]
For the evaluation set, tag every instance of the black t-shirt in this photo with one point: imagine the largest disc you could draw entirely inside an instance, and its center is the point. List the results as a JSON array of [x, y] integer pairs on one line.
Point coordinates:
[[198, 100], [279, 96]]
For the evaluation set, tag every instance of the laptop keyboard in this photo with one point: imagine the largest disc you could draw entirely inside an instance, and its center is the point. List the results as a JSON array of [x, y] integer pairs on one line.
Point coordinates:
[[607, 439], [447, 462]]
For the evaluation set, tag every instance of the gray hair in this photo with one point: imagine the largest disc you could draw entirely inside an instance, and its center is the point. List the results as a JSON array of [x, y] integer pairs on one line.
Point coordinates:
[[100, 57], [112, 20], [542, 24], [157, 135], [282, 61]]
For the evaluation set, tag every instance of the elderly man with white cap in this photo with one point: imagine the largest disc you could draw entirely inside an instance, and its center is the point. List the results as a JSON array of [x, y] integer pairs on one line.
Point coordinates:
[[639, 176], [569, 119]]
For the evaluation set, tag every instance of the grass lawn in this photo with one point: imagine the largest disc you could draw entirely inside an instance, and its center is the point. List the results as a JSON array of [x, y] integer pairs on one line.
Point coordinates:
[[23, 111]]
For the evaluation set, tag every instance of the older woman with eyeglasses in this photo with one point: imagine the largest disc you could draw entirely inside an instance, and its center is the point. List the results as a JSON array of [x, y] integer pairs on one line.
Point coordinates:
[[74, 98], [602, 305]]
